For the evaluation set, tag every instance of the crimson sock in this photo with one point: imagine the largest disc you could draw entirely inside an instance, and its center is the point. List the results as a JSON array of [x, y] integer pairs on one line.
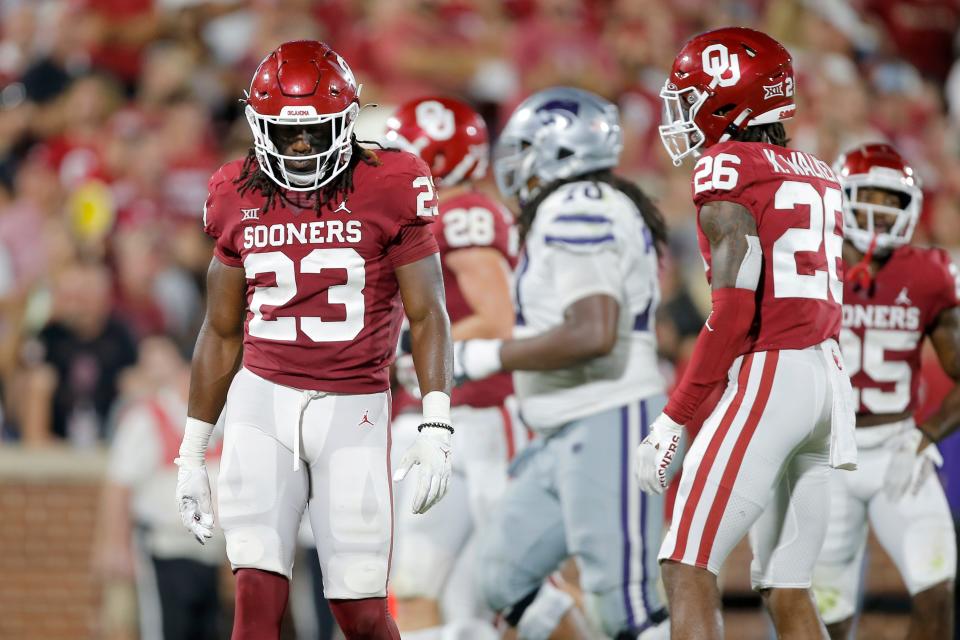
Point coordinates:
[[366, 619], [261, 599]]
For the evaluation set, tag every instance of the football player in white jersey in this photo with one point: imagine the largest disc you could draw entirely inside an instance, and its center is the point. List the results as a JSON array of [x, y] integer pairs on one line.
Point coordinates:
[[585, 374]]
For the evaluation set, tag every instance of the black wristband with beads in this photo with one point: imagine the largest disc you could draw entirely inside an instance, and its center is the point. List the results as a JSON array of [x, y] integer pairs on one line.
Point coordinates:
[[439, 425]]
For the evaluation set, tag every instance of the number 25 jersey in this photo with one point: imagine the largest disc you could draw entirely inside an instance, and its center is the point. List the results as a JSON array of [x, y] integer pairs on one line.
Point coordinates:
[[323, 304], [796, 201], [884, 324]]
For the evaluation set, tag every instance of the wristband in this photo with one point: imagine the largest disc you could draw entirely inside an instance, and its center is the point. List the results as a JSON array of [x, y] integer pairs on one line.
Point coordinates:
[[436, 407], [193, 448], [438, 425]]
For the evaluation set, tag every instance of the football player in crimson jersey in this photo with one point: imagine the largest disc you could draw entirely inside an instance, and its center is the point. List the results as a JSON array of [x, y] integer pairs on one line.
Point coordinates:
[[770, 229], [477, 253], [894, 295], [317, 240]]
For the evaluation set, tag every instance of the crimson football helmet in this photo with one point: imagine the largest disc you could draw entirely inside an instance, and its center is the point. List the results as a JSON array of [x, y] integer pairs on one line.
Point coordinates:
[[878, 166], [448, 134], [720, 82], [303, 84]]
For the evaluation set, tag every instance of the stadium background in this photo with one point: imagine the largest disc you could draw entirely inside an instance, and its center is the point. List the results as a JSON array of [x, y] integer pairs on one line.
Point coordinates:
[[113, 114]]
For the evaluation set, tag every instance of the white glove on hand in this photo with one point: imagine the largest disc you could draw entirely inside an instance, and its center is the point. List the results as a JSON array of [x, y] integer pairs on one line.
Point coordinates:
[[431, 451], [908, 470], [656, 453], [929, 461], [193, 498], [475, 359]]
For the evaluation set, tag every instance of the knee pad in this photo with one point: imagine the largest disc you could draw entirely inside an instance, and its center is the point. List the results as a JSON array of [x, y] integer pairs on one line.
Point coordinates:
[[420, 567], [258, 547], [834, 604], [356, 575], [929, 555]]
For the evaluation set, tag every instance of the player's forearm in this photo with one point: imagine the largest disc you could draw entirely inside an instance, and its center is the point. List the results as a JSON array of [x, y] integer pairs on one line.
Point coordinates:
[[720, 342], [216, 359], [564, 346], [432, 350], [946, 420]]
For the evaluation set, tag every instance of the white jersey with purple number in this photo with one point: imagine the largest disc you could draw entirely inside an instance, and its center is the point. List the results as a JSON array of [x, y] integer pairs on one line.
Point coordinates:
[[588, 239]]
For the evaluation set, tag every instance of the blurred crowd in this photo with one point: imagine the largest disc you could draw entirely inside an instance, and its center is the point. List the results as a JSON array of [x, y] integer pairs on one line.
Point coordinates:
[[114, 113]]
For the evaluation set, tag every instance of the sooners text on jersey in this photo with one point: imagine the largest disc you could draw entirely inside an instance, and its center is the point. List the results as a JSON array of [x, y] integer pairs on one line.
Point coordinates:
[[323, 307], [796, 201], [884, 324], [471, 220]]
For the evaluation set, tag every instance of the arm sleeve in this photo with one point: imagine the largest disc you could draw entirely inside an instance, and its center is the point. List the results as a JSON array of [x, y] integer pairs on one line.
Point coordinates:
[[720, 342], [215, 219]]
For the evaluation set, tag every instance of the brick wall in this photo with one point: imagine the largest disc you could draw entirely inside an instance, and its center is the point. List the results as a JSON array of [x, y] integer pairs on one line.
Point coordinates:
[[48, 505], [48, 510]]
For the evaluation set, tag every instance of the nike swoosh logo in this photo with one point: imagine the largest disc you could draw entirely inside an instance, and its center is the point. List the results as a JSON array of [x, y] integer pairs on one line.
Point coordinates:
[[706, 323]]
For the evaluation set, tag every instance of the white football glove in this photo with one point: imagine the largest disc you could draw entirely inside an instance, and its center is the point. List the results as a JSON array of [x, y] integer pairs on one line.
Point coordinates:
[[193, 498], [193, 485], [908, 469], [431, 451], [656, 453], [475, 359]]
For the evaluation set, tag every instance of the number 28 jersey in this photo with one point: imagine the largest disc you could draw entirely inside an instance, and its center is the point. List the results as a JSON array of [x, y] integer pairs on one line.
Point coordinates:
[[323, 305], [473, 220], [885, 322], [796, 201]]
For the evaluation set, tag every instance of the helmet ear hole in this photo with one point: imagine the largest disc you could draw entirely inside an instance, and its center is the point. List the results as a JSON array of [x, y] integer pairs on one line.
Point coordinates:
[[724, 110], [564, 153]]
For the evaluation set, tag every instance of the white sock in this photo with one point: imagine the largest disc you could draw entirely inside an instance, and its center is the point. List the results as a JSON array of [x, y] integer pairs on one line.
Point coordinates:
[[544, 613]]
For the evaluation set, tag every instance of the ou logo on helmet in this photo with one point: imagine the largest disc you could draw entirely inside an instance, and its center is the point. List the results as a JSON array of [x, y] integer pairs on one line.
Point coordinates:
[[723, 67]]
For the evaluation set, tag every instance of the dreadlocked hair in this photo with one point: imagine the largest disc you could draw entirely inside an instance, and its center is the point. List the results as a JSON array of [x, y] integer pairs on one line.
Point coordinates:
[[772, 133], [252, 178], [648, 210]]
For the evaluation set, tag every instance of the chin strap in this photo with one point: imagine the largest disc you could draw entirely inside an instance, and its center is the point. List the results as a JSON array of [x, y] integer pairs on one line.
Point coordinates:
[[860, 273]]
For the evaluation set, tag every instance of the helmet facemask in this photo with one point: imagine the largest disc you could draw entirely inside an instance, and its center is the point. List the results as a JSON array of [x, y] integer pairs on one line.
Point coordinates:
[[514, 167], [904, 217], [304, 172], [681, 136]]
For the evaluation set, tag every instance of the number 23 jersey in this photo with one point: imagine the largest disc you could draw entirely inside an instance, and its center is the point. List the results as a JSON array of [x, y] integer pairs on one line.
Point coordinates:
[[796, 201], [323, 304], [884, 324]]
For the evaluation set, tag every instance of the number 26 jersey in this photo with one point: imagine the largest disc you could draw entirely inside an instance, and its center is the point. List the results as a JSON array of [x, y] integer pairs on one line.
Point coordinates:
[[796, 201], [323, 304]]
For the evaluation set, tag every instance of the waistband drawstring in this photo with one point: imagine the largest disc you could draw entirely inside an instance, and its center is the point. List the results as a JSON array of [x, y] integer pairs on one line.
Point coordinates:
[[305, 398]]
